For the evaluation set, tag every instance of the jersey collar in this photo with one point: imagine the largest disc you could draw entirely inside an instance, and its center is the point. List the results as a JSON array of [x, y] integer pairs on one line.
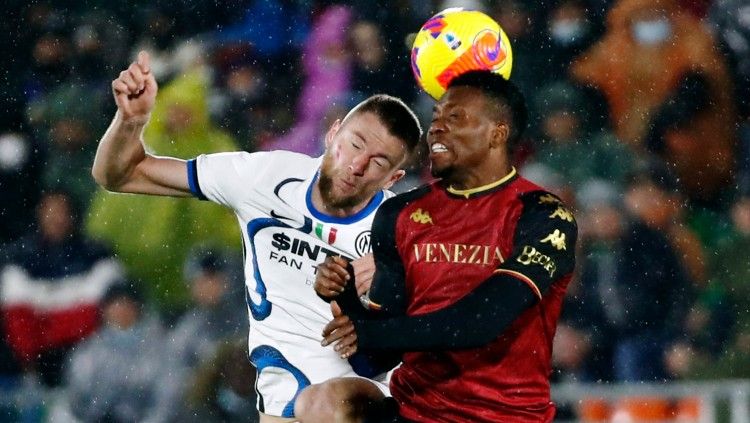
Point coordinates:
[[467, 193]]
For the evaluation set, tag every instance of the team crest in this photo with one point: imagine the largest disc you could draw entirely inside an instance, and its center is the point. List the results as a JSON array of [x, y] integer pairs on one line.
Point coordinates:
[[362, 243]]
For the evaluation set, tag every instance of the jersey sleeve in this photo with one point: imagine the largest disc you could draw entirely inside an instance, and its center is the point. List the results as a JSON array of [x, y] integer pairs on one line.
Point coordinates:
[[543, 252], [224, 177], [543, 244], [388, 290]]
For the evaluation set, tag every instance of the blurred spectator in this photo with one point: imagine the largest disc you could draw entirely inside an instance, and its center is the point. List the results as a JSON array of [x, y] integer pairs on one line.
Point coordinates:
[[51, 281], [222, 390], [730, 21], [371, 73], [218, 310], [70, 119], [271, 27], [153, 235], [21, 163], [99, 42], [246, 103], [631, 298], [653, 197], [50, 64], [548, 178], [570, 29], [520, 23], [395, 23], [667, 84], [731, 290], [565, 136], [122, 374], [327, 70]]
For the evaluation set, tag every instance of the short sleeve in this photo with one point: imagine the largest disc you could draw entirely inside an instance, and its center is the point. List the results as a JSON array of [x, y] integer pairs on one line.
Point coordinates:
[[225, 177]]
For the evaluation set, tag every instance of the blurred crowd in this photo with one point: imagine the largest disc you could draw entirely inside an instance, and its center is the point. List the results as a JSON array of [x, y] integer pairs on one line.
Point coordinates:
[[132, 308]]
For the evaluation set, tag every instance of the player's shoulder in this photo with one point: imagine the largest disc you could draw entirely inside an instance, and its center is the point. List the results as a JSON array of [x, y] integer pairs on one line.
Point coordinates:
[[534, 198], [397, 202], [277, 164], [287, 156]]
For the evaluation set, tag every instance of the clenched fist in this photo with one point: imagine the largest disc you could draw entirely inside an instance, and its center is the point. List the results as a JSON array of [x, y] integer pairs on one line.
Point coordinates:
[[135, 90]]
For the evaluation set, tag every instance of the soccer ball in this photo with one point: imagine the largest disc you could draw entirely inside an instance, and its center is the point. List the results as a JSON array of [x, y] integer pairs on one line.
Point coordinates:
[[455, 41]]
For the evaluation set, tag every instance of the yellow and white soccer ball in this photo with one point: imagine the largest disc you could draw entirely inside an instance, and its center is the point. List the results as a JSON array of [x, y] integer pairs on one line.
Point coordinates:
[[456, 41]]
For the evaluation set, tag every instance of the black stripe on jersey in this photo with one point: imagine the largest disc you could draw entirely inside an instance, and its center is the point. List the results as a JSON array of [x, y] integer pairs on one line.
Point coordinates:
[[284, 182]]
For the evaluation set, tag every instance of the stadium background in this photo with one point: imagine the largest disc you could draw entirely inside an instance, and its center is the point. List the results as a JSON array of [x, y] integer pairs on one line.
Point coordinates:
[[640, 118]]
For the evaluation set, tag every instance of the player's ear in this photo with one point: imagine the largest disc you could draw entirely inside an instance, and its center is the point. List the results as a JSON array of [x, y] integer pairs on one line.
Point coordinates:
[[500, 134], [332, 131], [397, 175]]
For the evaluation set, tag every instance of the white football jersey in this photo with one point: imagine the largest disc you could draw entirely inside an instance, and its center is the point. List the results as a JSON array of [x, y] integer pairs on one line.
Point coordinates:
[[284, 238]]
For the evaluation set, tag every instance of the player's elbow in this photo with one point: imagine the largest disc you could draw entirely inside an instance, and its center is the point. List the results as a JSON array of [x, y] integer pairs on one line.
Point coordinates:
[[106, 179], [101, 179]]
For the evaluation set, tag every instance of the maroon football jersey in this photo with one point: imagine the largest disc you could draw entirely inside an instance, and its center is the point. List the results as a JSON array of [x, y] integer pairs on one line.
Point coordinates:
[[441, 244]]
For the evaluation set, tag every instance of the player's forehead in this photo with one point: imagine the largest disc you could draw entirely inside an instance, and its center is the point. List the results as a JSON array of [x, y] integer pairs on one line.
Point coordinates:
[[368, 128], [461, 97]]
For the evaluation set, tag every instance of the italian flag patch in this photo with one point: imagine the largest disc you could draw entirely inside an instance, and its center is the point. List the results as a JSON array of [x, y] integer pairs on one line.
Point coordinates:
[[327, 234]]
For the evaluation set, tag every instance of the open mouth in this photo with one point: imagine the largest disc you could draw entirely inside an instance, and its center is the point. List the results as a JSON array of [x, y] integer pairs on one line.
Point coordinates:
[[438, 148]]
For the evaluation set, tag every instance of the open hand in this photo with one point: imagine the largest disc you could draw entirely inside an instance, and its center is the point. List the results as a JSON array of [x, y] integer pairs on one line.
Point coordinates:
[[341, 331]]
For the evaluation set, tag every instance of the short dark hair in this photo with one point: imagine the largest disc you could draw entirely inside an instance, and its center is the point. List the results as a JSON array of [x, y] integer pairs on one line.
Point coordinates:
[[507, 98], [397, 117], [123, 289]]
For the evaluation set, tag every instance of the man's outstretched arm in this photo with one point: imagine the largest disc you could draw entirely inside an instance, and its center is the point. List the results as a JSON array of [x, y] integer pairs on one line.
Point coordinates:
[[122, 163]]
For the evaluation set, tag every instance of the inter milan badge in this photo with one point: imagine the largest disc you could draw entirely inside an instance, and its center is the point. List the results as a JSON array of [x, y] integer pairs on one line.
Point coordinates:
[[362, 243]]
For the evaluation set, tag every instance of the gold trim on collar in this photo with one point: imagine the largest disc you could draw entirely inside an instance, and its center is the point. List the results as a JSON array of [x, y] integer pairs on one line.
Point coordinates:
[[467, 192]]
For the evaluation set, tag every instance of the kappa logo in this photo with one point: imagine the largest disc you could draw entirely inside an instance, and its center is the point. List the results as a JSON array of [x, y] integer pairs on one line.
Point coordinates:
[[556, 239], [362, 243], [562, 213], [547, 199], [422, 217]]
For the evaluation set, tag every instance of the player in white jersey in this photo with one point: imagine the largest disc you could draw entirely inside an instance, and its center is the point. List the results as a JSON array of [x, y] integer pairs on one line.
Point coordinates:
[[293, 211]]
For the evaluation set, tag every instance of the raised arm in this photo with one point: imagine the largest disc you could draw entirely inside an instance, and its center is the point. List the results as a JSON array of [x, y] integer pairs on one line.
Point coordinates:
[[122, 163]]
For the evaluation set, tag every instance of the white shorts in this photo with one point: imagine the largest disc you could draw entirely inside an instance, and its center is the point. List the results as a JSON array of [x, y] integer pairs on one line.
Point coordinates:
[[284, 370]]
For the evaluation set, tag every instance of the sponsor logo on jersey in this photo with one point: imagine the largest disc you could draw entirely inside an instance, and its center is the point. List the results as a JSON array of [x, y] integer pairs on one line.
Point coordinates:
[[548, 199], [530, 255], [438, 252], [556, 239], [562, 213], [300, 247], [422, 217]]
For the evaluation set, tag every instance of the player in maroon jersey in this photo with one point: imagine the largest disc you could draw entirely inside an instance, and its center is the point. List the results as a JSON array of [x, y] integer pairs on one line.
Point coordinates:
[[471, 274]]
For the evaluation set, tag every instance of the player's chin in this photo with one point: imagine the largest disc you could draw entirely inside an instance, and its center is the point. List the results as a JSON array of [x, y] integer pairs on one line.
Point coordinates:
[[342, 200], [440, 170]]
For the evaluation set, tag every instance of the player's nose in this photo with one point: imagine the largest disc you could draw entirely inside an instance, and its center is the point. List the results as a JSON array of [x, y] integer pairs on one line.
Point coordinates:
[[436, 126], [358, 164]]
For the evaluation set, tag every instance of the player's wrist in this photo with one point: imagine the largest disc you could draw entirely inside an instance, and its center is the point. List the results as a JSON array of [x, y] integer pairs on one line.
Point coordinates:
[[139, 120]]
